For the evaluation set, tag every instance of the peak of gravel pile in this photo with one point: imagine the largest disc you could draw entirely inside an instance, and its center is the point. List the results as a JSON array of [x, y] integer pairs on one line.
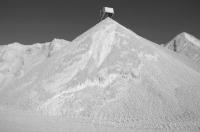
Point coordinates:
[[186, 45]]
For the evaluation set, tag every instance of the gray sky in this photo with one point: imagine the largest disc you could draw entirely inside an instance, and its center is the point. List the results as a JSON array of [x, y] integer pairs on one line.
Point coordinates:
[[28, 22]]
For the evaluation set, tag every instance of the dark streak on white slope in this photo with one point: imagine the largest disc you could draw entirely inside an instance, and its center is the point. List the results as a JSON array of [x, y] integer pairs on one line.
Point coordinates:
[[111, 76], [186, 45]]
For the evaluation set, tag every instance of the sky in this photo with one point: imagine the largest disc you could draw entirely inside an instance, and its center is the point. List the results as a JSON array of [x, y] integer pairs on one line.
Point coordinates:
[[29, 22]]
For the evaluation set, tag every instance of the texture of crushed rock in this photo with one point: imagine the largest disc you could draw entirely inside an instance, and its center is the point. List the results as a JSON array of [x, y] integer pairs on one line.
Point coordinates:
[[111, 76]]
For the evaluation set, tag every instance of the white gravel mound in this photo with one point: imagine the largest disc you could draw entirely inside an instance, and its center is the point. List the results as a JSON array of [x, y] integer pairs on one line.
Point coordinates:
[[108, 77]]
